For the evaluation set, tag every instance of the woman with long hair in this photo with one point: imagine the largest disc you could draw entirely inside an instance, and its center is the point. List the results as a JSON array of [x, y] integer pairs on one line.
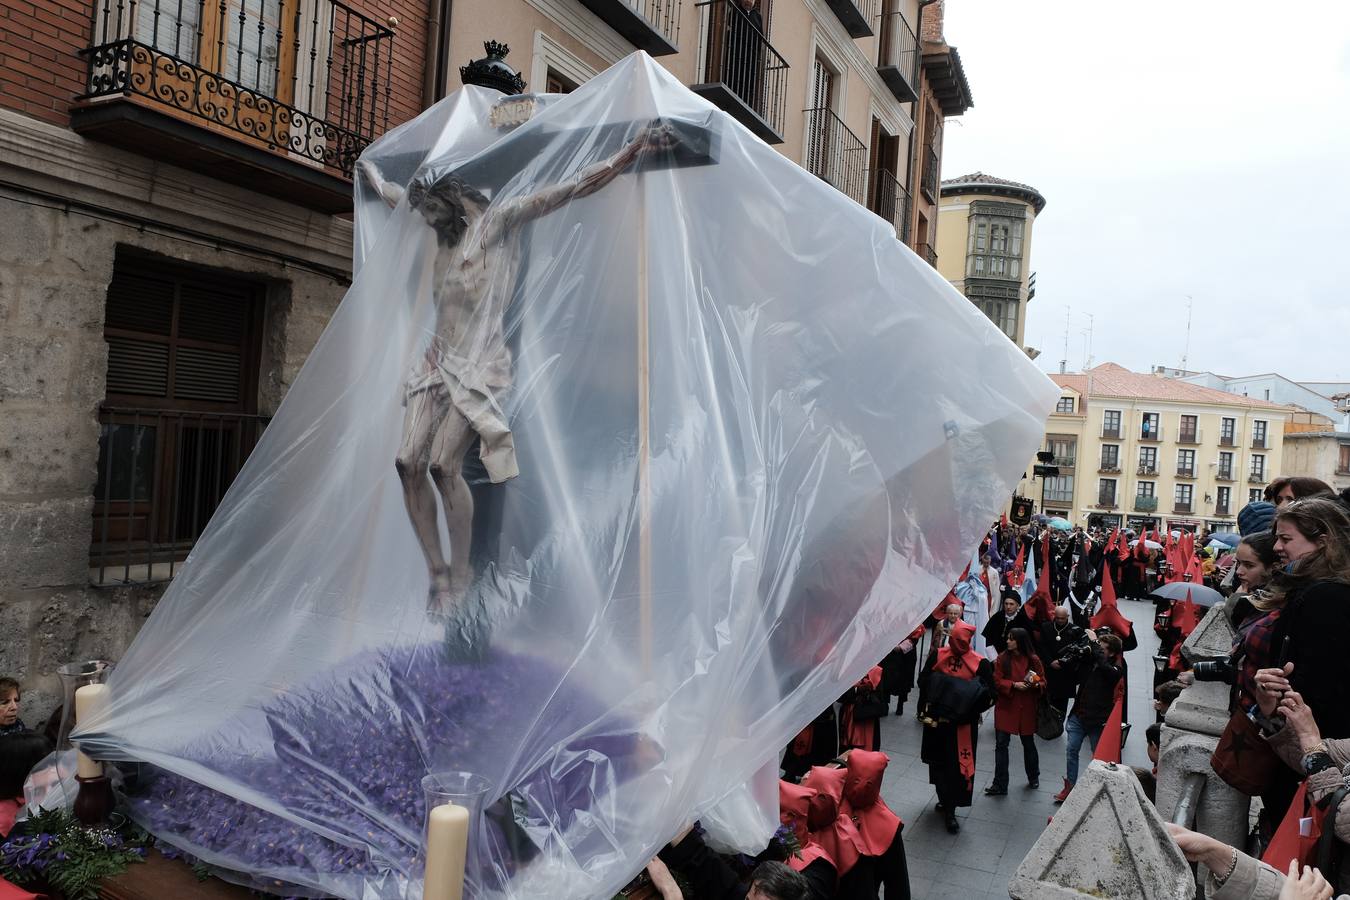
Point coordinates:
[[1019, 678], [1312, 540]]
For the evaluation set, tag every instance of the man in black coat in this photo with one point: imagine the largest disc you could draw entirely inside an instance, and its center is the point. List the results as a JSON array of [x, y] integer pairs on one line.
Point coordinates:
[[1013, 616], [1092, 705], [1061, 649]]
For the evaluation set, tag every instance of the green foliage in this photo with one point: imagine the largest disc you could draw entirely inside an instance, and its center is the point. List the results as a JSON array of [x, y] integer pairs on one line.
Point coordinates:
[[55, 850]]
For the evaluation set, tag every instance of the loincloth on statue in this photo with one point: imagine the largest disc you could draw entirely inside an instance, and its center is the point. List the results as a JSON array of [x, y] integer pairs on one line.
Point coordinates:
[[471, 389]]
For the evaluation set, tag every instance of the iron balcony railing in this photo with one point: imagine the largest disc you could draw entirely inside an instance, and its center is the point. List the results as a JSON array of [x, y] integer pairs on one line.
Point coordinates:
[[1145, 503], [927, 252], [1064, 462], [1227, 439], [929, 183], [1106, 501], [1146, 469], [737, 54], [1179, 507], [891, 202], [663, 15], [1225, 473], [1259, 443], [161, 475], [835, 154], [1150, 434], [1221, 509], [1190, 436], [1185, 471], [898, 57], [1112, 433], [1257, 477], [308, 78]]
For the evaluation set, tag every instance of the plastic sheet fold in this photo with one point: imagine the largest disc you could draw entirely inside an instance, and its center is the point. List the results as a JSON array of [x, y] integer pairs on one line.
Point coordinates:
[[749, 441]]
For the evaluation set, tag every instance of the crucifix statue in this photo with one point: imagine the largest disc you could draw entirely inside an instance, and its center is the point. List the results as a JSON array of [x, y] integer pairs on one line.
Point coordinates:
[[452, 395]]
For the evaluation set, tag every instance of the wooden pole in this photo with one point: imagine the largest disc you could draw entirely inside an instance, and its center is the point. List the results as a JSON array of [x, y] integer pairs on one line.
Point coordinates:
[[644, 436]]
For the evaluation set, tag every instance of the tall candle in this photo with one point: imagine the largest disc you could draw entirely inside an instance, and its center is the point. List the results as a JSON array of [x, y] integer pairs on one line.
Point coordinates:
[[89, 701], [447, 844]]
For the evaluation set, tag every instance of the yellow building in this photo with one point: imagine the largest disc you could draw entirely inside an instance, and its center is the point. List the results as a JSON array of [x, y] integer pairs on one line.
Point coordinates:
[[984, 246], [855, 91], [1144, 450]]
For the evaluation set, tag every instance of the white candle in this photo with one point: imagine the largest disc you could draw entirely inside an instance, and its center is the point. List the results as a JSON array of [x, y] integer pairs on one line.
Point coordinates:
[[447, 843], [89, 701]]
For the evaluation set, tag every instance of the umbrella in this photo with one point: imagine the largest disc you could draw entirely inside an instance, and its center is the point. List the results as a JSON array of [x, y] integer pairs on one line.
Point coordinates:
[[1216, 544], [1061, 524], [1149, 545], [1200, 595], [1227, 538]]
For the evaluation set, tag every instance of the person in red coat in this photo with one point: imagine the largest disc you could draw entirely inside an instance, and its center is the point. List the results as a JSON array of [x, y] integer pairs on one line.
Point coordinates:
[[1019, 679]]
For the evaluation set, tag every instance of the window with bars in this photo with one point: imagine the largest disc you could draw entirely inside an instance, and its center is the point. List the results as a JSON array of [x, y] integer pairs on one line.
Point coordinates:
[[180, 411]]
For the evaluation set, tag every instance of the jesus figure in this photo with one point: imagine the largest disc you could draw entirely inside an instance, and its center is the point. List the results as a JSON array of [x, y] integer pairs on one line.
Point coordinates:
[[452, 395]]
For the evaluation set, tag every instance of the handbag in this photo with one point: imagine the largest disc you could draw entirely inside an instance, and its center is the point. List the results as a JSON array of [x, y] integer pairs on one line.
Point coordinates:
[[871, 705], [1243, 759], [1049, 719], [952, 699], [1330, 850]]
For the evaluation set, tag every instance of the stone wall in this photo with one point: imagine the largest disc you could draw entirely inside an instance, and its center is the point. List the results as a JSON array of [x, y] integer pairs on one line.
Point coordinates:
[[56, 261]]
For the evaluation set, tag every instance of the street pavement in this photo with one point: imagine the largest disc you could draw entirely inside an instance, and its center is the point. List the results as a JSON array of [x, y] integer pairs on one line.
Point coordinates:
[[996, 832]]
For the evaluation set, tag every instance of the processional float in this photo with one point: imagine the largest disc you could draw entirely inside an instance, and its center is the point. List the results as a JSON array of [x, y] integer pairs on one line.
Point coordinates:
[[729, 442]]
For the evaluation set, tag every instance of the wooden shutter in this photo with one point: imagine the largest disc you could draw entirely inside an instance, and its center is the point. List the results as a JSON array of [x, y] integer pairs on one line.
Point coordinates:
[[187, 339]]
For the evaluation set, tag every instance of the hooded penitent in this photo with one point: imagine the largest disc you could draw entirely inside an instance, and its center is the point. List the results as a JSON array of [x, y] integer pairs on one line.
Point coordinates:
[[875, 822], [794, 811], [828, 826]]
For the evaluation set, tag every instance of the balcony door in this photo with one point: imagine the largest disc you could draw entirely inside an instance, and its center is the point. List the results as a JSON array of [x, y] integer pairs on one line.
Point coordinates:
[[821, 127]]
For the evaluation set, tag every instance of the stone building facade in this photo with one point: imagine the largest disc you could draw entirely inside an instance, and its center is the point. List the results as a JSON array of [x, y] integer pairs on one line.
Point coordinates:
[[175, 190]]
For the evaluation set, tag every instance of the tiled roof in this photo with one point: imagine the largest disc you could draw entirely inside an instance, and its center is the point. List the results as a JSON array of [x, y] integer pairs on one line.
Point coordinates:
[[968, 184], [1111, 380]]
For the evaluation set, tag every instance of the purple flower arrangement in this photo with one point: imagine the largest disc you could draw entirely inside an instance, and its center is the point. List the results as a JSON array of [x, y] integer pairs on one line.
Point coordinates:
[[350, 753]]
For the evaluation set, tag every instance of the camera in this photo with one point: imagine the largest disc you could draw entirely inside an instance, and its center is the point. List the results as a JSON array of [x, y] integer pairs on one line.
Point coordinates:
[[1217, 669]]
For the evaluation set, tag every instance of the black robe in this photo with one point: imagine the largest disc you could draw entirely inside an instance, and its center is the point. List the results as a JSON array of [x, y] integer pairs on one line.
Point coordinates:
[[824, 747], [996, 629], [939, 747], [1060, 682]]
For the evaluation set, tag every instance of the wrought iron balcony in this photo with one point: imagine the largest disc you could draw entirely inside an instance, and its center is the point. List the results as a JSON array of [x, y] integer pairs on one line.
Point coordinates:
[[161, 474], [929, 182], [890, 200], [857, 15], [1220, 509], [1147, 470], [651, 25], [1179, 507], [835, 154], [1259, 443], [280, 96], [739, 70], [898, 57], [1064, 462], [1227, 440], [1224, 474], [1111, 433], [1185, 471], [928, 253], [1106, 501], [1150, 434], [1144, 503], [1109, 468]]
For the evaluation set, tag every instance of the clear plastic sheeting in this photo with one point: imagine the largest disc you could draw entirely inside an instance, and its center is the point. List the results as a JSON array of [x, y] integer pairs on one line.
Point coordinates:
[[728, 442]]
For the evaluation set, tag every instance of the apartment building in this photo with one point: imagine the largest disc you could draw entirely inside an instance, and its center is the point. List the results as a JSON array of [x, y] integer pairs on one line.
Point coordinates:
[[1144, 451]]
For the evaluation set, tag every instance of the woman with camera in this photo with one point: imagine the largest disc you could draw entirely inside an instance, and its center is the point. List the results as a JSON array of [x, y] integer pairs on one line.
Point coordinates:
[[955, 687]]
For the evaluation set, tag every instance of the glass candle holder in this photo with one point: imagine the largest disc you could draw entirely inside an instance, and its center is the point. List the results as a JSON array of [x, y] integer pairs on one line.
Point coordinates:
[[463, 789], [73, 676]]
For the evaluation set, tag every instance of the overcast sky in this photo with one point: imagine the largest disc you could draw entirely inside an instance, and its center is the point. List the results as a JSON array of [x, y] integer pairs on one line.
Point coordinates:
[[1190, 147]]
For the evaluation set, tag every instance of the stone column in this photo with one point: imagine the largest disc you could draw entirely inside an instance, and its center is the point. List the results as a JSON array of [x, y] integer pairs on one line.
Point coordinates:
[[1191, 732], [1107, 840]]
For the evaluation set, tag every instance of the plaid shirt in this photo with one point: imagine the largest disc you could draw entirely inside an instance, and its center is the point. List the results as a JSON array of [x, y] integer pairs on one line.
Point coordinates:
[[1253, 649]]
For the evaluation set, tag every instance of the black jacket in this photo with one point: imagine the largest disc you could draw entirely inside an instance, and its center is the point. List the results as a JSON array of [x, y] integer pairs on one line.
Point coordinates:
[[1316, 620], [997, 628], [1097, 691]]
